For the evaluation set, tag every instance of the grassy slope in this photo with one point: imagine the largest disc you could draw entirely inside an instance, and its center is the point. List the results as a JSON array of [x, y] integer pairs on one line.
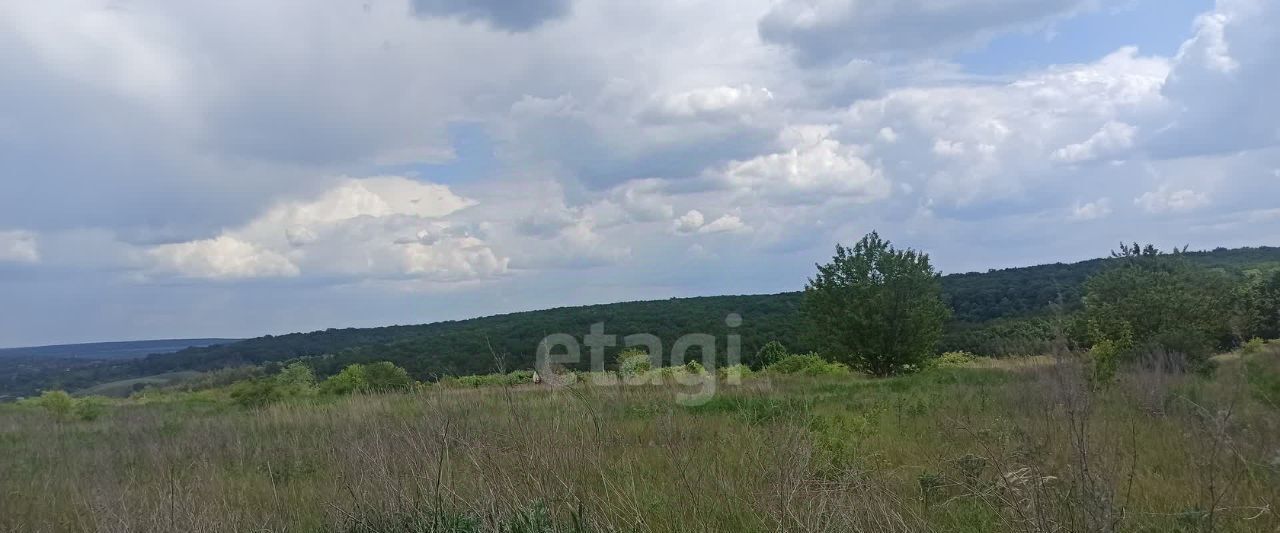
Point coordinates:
[[1012, 447]]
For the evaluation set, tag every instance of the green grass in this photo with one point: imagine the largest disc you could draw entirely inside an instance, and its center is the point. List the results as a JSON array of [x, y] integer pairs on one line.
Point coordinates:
[[123, 388], [1023, 445]]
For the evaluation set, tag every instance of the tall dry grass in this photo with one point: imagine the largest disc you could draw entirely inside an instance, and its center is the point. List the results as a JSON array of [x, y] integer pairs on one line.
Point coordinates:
[[1025, 446]]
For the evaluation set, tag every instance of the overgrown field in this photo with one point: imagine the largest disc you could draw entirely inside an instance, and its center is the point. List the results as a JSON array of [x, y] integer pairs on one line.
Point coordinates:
[[1025, 445]]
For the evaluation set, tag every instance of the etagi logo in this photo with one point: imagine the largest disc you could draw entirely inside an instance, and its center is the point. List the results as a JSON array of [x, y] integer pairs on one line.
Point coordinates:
[[564, 349]]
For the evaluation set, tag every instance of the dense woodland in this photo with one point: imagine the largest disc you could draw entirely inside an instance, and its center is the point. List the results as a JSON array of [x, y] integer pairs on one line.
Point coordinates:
[[999, 312]]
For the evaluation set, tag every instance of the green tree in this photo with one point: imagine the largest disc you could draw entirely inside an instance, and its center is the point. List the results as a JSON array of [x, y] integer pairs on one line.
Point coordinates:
[[771, 353], [1258, 300], [1149, 300], [350, 380], [257, 392], [296, 379], [385, 376], [58, 403], [874, 307]]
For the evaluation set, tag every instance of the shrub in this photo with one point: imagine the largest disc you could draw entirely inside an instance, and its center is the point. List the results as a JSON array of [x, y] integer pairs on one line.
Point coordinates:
[[58, 403], [953, 360], [517, 377], [89, 408], [385, 376], [632, 362], [810, 364], [258, 392], [62, 406], [350, 380], [695, 368], [296, 379], [1253, 347], [735, 371], [771, 353]]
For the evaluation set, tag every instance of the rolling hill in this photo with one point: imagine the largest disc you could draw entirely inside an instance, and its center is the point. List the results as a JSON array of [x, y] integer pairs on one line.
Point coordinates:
[[994, 312]]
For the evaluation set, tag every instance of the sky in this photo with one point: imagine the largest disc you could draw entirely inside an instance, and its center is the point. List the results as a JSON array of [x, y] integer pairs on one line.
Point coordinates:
[[172, 168]]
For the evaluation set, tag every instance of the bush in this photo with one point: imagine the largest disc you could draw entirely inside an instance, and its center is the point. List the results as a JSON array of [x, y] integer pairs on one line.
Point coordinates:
[[1104, 361], [771, 353], [385, 376], [633, 362], [953, 360], [296, 379], [810, 364], [382, 376], [89, 408], [1253, 347], [255, 393], [350, 380], [518, 377], [58, 403], [735, 371], [61, 406]]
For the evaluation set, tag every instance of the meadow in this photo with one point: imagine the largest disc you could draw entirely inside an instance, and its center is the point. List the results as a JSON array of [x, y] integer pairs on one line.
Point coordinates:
[[1029, 444]]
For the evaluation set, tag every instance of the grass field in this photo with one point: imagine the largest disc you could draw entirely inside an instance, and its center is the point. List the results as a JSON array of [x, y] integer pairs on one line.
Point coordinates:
[[125, 387], [1023, 445]]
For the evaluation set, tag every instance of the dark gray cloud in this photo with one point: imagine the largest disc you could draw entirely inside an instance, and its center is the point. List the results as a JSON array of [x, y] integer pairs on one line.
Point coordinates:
[[510, 15]]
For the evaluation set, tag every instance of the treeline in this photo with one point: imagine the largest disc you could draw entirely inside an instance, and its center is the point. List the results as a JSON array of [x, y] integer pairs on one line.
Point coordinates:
[[999, 312]]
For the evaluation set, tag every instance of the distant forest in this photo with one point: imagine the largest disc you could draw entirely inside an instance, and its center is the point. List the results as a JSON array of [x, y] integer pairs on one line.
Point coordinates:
[[999, 312]]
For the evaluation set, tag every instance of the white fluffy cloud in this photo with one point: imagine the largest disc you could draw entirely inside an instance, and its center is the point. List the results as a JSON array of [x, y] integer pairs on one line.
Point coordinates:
[[19, 247], [222, 257], [970, 143], [1165, 200], [1222, 85], [695, 222], [1094, 210], [1112, 139], [383, 227], [814, 168]]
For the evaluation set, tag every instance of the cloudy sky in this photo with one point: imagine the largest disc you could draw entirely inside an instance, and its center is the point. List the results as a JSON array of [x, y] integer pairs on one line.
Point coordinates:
[[173, 168]]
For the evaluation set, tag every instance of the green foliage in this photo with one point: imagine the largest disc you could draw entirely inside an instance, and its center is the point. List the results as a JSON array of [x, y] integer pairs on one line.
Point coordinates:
[[518, 377], [1258, 306], [734, 372], [1151, 301], [89, 408], [633, 362], [255, 393], [810, 364], [1104, 360], [1253, 347], [62, 406], [58, 403], [771, 353], [382, 376], [996, 312], [953, 360], [296, 379], [350, 380], [875, 307], [695, 368], [385, 376], [1262, 369]]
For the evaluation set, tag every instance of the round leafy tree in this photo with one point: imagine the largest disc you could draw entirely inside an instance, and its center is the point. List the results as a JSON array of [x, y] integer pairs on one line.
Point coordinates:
[[876, 308]]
